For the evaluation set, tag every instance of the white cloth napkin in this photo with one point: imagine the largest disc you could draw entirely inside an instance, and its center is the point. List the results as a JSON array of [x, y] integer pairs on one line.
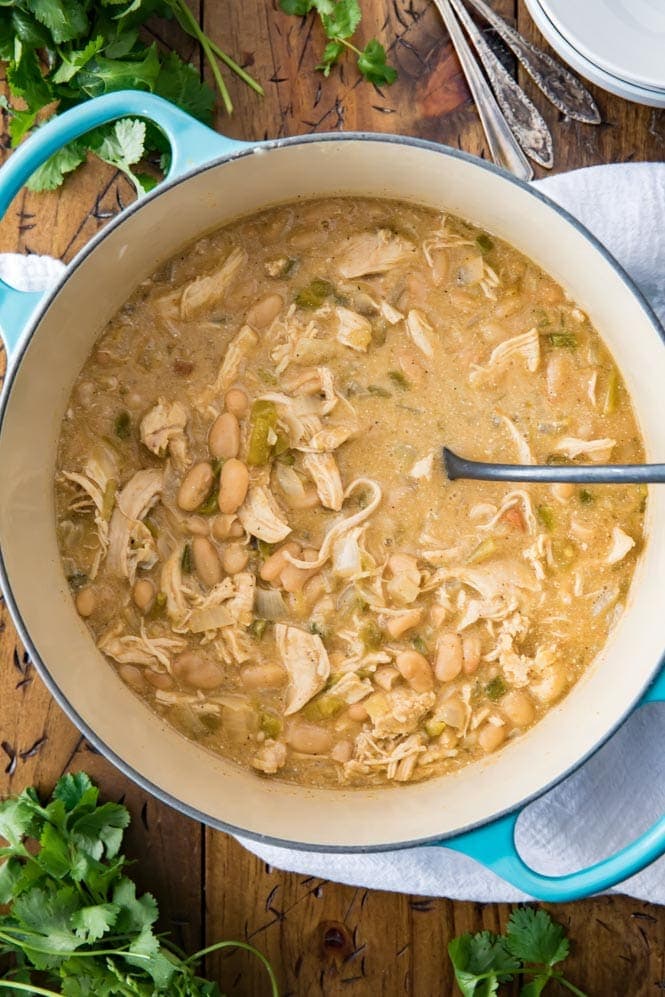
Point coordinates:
[[621, 790]]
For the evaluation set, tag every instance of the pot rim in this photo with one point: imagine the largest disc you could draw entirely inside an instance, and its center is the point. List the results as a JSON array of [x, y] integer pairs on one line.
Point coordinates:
[[14, 364]]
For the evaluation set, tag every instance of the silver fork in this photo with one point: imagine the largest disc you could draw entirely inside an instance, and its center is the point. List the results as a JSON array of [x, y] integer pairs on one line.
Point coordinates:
[[503, 145]]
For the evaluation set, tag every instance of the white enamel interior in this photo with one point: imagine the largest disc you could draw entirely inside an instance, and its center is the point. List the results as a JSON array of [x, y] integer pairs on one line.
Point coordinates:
[[100, 283]]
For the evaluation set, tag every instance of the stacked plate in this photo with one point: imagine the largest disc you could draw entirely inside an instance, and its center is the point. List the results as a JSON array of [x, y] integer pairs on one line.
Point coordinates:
[[617, 44]]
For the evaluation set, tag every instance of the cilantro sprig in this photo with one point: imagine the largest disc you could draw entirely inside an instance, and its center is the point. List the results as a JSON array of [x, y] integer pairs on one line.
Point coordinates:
[[339, 19], [73, 919], [532, 946], [62, 52]]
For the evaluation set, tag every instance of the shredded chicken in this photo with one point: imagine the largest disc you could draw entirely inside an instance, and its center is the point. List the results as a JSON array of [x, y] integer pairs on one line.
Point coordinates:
[[524, 454], [261, 516], [344, 525], [98, 484], [270, 757], [374, 252], [306, 661], [525, 346], [131, 544], [207, 292], [236, 352], [143, 650], [353, 330], [621, 545], [163, 429], [598, 451], [322, 469], [420, 332]]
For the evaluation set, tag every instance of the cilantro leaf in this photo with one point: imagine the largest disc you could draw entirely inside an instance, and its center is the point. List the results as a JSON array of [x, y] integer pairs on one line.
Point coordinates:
[[48, 913], [65, 19], [533, 936], [373, 66], [103, 75], [343, 19], [121, 145], [73, 61], [92, 923], [179, 82], [102, 828], [331, 54], [29, 31], [25, 78], [74, 790], [481, 962], [339, 19], [16, 819]]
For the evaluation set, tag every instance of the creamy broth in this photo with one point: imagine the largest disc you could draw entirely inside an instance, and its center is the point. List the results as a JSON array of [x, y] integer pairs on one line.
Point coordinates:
[[255, 522]]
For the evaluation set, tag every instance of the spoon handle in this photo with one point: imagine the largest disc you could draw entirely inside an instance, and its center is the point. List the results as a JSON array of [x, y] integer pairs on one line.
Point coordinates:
[[561, 87], [524, 119], [583, 474], [503, 146]]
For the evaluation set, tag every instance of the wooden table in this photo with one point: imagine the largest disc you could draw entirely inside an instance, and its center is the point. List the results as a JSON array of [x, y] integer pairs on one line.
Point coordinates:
[[208, 886]]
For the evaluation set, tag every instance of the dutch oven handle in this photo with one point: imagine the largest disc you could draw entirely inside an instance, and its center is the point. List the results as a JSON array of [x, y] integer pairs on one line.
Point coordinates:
[[493, 845], [191, 145]]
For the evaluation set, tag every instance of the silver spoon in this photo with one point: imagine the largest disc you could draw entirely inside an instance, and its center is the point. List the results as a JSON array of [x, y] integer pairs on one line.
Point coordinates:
[[525, 121], [503, 146], [582, 474], [561, 87]]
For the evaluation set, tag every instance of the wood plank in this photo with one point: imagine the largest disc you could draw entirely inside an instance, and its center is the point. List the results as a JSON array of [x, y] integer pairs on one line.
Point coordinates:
[[322, 938]]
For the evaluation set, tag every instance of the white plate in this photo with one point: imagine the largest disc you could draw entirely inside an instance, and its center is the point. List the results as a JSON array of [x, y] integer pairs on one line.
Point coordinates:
[[654, 97], [625, 38]]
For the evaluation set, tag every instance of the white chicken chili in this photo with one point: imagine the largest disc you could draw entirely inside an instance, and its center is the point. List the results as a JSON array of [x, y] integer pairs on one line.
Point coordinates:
[[253, 515]]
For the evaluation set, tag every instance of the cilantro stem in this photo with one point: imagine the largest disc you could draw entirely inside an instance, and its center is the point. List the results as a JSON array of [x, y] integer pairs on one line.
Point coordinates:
[[248, 948], [28, 987], [238, 70], [569, 986], [196, 32], [349, 45]]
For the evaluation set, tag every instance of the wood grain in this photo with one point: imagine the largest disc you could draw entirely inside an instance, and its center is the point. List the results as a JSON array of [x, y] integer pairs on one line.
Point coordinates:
[[322, 938]]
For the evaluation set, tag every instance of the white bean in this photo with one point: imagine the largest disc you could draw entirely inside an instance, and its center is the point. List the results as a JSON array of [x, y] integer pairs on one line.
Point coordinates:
[[264, 311], [192, 668], [309, 739], [449, 657], [234, 558], [195, 486], [233, 485], [273, 566], [224, 436], [143, 594], [518, 707], [471, 651], [490, 737], [237, 402], [416, 669], [206, 561], [86, 602], [266, 676]]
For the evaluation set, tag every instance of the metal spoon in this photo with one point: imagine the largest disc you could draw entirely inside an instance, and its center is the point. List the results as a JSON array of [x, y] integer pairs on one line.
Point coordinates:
[[582, 474], [503, 146], [560, 86], [525, 121]]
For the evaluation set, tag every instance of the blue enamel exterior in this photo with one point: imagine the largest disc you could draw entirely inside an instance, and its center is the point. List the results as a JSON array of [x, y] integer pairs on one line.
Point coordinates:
[[194, 146], [191, 144], [493, 845]]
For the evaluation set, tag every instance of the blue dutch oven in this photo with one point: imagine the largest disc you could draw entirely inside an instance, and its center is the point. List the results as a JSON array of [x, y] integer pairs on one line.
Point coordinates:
[[213, 180]]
